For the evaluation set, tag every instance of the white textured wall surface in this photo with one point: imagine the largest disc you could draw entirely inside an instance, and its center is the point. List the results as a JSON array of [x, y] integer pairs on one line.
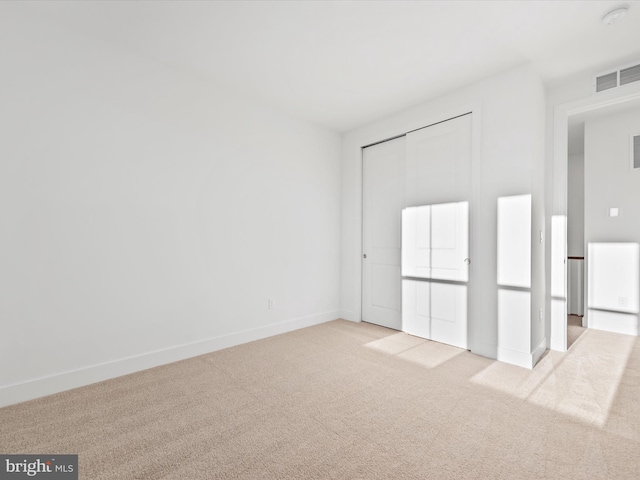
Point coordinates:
[[609, 179], [142, 210]]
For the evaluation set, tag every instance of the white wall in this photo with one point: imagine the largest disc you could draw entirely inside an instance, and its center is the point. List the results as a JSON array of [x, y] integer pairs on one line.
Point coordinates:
[[609, 179], [509, 136], [575, 206], [147, 216], [610, 182]]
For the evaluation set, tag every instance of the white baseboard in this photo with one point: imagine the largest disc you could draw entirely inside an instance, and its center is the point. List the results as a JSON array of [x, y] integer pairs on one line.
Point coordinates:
[[514, 357], [539, 350], [40, 387], [617, 322], [522, 359]]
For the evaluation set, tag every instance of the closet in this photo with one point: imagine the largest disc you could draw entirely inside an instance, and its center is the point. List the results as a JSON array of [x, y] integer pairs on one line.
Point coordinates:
[[426, 174]]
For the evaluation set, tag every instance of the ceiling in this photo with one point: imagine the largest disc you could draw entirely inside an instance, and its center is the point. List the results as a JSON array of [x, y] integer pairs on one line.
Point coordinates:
[[342, 64]]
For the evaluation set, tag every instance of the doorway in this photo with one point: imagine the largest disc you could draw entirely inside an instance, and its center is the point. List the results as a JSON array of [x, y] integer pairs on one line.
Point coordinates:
[[575, 230], [573, 111]]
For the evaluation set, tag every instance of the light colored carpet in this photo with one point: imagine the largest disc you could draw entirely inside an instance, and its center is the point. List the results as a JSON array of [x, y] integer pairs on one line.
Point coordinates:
[[345, 400]]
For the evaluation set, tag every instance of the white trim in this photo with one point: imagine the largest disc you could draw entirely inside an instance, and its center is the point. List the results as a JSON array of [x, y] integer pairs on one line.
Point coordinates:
[[39, 387], [617, 322], [521, 359], [607, 98], [631, 151], [538, 351], [514, 357]]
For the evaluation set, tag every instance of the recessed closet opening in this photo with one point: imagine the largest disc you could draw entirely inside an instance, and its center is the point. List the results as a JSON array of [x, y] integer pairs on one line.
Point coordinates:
[[415, 231]]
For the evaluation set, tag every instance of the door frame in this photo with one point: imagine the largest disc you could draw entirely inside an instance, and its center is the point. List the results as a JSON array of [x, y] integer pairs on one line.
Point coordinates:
[[624, 94], [473, 108]]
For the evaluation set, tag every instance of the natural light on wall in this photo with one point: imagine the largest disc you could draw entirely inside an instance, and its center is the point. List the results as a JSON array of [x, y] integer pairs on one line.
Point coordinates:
[[435, 269], [613, 286], [558, 334], [514, 241], [514, 280]]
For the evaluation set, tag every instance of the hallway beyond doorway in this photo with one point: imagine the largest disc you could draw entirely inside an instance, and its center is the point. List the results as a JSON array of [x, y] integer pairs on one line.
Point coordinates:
[[574, 329]]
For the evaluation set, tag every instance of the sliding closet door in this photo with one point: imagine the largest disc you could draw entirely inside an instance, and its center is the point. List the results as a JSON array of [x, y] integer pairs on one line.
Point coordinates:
[[383, 178], [438, 178], [439, 163]]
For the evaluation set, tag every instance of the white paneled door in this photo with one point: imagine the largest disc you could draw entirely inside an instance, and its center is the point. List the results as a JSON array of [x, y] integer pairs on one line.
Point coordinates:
[[435, 241], [434, 299], [438, 181], [450, 241], [383, 176], [436, 311]]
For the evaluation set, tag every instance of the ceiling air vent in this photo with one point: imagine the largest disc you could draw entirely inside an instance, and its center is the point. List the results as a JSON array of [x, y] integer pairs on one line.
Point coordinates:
[[635, 151], [631, 74], [605, 82], [622, 76]]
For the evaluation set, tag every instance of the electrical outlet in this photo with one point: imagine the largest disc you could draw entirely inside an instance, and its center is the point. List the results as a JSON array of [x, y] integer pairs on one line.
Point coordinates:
[[271, 303]]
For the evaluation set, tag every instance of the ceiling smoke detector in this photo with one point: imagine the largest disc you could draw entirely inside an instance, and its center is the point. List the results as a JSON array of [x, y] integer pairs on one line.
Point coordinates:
[[615, 15]]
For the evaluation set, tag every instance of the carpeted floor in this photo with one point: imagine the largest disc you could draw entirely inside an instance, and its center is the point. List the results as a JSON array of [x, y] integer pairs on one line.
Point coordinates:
[[345, 400]]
